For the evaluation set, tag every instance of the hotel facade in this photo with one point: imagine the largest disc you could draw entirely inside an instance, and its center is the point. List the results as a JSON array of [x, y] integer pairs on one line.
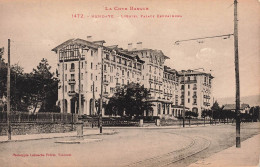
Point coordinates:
[[82, 59]]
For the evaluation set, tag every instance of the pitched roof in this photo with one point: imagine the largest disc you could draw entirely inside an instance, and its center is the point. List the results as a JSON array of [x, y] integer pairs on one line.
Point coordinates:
[[233, 106]]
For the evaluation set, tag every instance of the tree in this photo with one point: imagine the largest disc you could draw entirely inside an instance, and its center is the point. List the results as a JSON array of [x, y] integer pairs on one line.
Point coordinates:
[[130, 99], [215, 110], [45, 86]]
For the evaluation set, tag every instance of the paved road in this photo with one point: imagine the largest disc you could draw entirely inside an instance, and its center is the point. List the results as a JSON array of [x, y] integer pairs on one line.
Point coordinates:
[[129, 147]]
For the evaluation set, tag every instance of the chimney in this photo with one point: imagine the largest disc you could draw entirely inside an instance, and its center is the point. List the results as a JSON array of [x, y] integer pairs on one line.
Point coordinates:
[[89, 38], [130, 46], [139, 45]]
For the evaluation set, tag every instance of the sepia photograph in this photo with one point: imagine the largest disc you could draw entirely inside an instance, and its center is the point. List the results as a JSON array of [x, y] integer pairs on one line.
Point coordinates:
[[130, 83]]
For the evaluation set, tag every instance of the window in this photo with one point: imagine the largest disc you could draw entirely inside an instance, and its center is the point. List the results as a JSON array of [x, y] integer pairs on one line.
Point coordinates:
[[116, 80], [81, 64], [123, 81], [105, 77], [65, 88], [91, 65], [72, 76], [96, 89], [188, 78], [195, 101], [105, 67], [127, 73], [91, 76], [91, 52], [195, 78], [123, 72], [81, 77], [65, 66], [91, 88], [72, 88], [72, 66], [96, 78], [188, 86], [81, 87], [188, 93], [107, 56], [133, 75], [65, 77], [96, 67]]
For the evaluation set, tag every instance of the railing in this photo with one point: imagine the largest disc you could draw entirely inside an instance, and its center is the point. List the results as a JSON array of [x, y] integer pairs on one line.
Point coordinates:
[[106, 82], [189, 81], [71, 93], [72, 81], [72, 70], [41, 117]]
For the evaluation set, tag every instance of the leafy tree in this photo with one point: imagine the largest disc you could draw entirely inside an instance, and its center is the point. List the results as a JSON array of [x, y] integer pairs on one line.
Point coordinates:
[[130, 99]]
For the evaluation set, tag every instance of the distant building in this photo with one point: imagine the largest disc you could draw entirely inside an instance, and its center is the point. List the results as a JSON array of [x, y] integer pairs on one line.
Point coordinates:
[[244, 108], [121, 67]]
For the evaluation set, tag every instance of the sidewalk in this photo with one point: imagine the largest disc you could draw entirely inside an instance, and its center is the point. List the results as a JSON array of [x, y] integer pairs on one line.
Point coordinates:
[[86, 132], [247, 155]]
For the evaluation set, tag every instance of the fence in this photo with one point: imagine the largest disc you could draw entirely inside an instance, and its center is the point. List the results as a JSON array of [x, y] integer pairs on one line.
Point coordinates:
[[107, 121], [42, 117], [197, 121]]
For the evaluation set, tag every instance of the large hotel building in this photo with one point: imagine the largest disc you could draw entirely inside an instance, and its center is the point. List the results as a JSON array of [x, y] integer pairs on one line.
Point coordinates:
[[121, 67]]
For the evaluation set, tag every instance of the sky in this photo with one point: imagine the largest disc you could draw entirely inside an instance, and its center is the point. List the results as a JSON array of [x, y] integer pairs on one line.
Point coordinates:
[[37, 26]]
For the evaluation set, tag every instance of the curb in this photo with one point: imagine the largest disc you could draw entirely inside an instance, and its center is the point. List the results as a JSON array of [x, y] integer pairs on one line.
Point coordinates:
[[7, 141]]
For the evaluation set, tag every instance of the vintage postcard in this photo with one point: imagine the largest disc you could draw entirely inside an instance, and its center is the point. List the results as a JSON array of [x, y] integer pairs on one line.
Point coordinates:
[[113, 83]]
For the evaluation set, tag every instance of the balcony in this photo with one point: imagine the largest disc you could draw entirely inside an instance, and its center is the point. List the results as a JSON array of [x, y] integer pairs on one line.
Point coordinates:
[[195, 88], [118, 84], [106, 93], [72, 70], [194, 96], [160, 82], [189, 81], [71, 81], [106, 82], [71, 93], [194, 103], [150, 80]]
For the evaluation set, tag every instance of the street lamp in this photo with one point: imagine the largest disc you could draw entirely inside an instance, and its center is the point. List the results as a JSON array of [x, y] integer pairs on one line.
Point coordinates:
[[183, 113]]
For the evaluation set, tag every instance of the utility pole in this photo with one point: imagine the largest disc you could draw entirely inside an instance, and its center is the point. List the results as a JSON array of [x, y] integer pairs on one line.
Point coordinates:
[[183, 114], [238, 144], [63, 85], [101, 93], [8, 93]]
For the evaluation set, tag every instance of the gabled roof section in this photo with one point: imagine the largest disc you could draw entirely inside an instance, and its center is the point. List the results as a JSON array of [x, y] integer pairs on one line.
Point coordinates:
[[76, 41]]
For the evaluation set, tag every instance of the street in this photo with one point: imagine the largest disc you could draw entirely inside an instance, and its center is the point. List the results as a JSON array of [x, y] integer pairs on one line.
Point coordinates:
[[130, 146]]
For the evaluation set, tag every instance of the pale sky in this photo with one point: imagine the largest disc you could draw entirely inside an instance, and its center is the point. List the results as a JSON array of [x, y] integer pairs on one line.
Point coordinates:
[[37, 26]]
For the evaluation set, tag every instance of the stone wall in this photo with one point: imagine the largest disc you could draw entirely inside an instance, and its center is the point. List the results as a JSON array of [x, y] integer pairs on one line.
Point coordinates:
[[36, 128]]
